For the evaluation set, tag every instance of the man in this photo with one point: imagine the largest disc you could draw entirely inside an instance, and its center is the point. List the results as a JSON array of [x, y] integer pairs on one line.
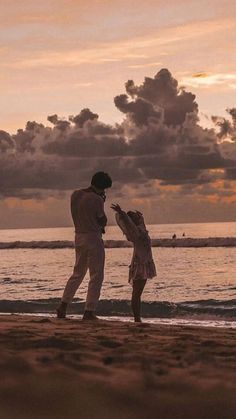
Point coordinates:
[[87, 210]]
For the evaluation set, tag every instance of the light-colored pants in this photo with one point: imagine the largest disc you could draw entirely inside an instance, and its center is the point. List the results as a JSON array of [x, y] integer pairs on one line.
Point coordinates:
[[90, 254]]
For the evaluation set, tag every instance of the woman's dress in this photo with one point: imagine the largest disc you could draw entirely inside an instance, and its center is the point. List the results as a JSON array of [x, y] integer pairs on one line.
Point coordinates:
[[142, 265]]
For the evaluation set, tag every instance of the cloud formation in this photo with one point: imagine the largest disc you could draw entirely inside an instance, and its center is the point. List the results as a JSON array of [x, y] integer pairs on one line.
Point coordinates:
[[160, 139], [156, 95]]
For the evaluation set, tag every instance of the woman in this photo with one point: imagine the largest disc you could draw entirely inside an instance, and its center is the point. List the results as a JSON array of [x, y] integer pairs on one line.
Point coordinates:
[[142, 265]]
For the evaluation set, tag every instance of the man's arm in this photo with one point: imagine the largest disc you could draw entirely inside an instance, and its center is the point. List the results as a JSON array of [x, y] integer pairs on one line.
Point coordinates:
[[73, 205], [101, 216]]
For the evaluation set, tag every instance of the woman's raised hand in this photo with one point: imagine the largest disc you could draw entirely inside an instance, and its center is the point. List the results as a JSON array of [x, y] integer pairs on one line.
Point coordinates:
[[116, 208]]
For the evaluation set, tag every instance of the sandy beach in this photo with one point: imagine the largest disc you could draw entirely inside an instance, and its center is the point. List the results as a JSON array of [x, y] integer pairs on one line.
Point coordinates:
[[72, 369]]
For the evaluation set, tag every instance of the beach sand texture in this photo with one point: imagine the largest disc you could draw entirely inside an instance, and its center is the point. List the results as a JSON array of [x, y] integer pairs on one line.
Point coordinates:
[[54, 368]]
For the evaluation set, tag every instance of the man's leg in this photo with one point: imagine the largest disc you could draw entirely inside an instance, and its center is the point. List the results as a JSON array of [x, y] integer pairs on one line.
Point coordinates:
[[96, 261], [73, 283]]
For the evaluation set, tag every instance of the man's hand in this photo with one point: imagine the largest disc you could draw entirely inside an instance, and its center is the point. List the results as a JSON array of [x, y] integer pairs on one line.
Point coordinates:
[[116, 208], [103, 196], [102, 221]]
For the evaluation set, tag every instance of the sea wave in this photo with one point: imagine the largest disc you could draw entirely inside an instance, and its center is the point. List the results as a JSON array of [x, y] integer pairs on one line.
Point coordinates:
[[210, 309], [112, 244]]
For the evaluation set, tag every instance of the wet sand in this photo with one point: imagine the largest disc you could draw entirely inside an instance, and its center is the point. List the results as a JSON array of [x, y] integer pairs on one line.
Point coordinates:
[[72, 369]]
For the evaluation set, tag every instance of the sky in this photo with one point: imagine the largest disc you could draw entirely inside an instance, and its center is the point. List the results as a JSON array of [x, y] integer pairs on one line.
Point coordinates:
[[143, 90]]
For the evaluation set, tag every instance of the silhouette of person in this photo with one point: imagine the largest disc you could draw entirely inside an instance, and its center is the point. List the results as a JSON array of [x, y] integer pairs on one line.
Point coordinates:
[[142, 265], [87, 210]]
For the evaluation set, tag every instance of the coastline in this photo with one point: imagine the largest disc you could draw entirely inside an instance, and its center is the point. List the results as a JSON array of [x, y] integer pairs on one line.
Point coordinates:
[[68, 368], [189, 242], [205, 310]]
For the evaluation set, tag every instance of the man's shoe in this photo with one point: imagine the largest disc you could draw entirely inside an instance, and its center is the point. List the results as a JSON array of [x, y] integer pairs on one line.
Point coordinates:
[[89, 315], [61, 311]]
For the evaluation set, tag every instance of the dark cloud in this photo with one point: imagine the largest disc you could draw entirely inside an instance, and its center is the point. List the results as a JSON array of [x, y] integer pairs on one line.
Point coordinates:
[[25, 173], [157, 95], [226, 133], [227, 128], [6, 142], [84, 116], [140, 110], [232, 112], [86, 144], [230, 173], [60, 124], [160, 138], [84, 136]]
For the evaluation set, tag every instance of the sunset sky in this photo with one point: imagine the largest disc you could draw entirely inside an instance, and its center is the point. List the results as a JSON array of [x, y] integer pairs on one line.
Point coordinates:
[[167, 155]]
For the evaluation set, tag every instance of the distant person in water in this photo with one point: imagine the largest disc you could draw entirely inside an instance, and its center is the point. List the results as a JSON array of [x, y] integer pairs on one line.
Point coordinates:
[[174, 236], [142, 265], [87, 210]]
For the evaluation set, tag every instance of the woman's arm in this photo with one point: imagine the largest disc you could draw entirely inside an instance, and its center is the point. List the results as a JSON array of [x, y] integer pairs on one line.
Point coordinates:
[[125, 223]]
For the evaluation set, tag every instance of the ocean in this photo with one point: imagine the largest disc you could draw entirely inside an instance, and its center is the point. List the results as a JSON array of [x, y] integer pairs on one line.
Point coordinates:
[[192, 284]]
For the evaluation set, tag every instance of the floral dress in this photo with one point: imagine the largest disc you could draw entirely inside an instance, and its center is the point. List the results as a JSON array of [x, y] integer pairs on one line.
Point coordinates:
[[142, 264]]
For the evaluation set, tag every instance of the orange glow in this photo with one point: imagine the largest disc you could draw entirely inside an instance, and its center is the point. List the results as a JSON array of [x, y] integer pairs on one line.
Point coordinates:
[[27, 204]]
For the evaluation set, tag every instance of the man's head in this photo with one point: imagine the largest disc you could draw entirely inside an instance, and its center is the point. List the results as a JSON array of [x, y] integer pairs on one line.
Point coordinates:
[[101, 181]]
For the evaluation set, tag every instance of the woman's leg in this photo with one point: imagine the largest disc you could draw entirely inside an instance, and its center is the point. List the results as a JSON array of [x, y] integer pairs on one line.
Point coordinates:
[[138, 287]]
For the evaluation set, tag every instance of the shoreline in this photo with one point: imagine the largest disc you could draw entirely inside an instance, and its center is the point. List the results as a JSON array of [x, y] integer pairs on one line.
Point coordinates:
[[189, 242], [173, 322], [69, 368], [206, 310]]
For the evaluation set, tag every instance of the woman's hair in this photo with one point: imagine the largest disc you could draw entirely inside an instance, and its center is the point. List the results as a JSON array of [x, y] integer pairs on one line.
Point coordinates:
[[101, 180]]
